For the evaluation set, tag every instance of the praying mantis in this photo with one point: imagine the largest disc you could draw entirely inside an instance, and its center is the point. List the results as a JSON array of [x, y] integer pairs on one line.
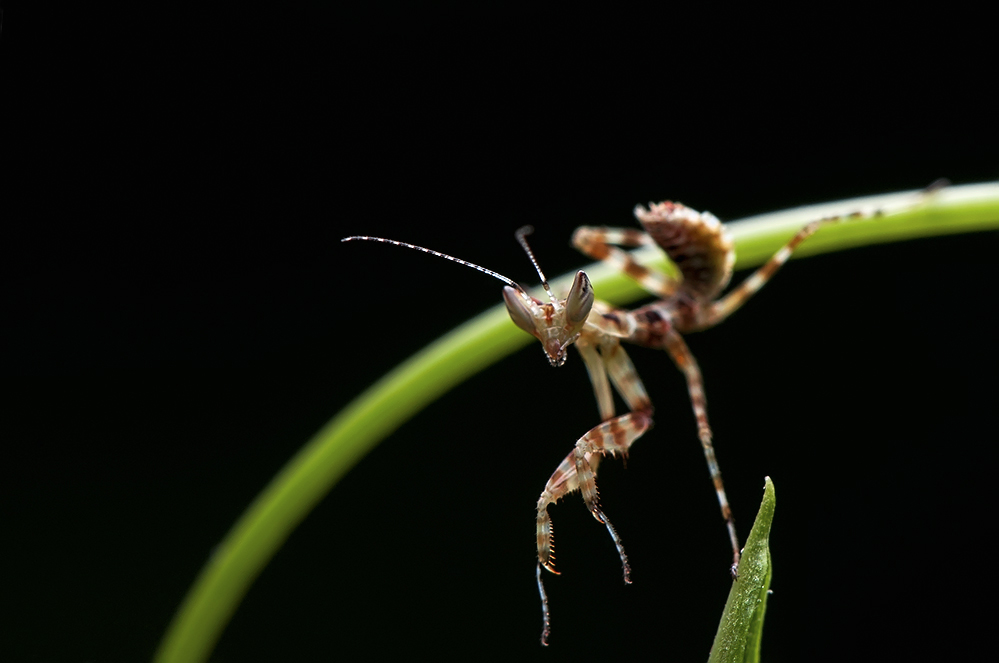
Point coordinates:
[[697, 243]]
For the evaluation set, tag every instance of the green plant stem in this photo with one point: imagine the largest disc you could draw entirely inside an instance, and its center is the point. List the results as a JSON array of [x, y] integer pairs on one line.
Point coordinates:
[[486, 339]]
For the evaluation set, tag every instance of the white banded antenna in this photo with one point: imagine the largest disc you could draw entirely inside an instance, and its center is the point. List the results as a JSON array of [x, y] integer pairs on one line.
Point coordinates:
[[521, 234]]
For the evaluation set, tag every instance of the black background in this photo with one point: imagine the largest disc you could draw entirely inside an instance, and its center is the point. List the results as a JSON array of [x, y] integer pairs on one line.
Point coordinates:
[[181, 318]]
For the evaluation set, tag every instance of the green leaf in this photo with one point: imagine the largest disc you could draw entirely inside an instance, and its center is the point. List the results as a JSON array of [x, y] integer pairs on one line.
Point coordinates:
[[741, 628], [487, 339]]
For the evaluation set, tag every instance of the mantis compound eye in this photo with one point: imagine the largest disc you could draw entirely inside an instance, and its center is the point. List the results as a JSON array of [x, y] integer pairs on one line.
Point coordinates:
[[519, 311], [580, 299]]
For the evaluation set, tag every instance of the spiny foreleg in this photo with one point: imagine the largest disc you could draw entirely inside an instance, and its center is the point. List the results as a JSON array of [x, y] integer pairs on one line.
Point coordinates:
[[604, 357], [578, 471]]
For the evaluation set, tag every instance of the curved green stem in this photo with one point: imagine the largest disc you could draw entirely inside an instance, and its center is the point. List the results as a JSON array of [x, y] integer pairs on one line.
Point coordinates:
[[486, 339]]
